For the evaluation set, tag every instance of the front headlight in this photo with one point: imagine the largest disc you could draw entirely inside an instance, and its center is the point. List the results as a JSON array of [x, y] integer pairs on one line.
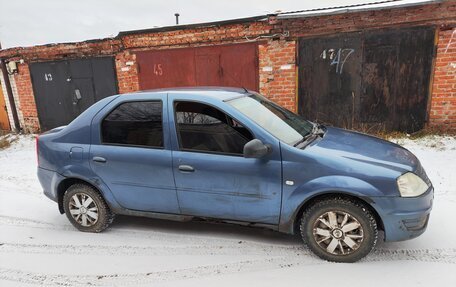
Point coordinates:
[[411, 185]]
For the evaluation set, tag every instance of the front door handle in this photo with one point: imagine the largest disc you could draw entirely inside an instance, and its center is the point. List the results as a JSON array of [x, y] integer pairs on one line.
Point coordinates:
[[186, 168], [99, 159]]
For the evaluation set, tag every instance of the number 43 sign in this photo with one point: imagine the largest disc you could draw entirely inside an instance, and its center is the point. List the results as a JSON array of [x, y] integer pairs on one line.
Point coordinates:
[[48, 77]]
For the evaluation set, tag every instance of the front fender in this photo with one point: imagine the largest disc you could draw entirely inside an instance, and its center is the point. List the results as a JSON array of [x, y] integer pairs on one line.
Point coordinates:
[[86, 174], [295, 197]]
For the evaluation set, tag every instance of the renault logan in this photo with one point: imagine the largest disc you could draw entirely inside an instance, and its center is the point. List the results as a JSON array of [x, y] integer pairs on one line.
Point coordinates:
[[231, 155]]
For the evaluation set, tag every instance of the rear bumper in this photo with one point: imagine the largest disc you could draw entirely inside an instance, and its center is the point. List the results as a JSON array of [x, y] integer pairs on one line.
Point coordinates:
[[49, 180], [405, 218]]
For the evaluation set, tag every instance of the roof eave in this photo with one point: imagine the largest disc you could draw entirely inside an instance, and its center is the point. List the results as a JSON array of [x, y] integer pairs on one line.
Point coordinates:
[[194, 26], [353, 10]]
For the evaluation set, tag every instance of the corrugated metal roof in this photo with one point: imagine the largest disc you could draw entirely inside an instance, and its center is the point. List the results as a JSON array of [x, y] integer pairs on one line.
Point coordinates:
[[372, 6]]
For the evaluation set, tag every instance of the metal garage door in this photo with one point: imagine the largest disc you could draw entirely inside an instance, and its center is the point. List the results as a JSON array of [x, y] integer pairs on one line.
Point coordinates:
[[226, 65], [375, 80], [64, 89], [4, 122]]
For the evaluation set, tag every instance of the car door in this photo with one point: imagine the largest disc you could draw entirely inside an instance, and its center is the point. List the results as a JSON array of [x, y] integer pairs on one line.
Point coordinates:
[[212, 177], [130, 153]]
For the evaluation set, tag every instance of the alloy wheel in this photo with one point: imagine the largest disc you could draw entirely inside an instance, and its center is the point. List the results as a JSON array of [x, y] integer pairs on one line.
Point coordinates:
[[83, 209], [338, 233]]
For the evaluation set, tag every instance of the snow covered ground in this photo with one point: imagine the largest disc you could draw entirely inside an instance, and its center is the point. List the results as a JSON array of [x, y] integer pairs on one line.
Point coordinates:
[[38, 246]]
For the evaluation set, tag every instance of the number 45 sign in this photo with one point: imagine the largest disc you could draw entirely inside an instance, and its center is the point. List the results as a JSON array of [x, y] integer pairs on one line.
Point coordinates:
[[158, 71]]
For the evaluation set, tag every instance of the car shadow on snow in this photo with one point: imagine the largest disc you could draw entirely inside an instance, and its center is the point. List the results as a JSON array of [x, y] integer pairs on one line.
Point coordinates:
[[205, 228], [195, 230]]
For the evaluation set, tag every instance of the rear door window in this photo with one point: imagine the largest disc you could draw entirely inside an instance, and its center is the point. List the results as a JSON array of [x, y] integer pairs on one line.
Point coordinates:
[[204, 128], [134, 124]]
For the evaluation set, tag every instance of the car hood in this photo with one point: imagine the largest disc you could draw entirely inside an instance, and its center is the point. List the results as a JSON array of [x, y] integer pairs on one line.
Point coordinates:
[[367, 149]]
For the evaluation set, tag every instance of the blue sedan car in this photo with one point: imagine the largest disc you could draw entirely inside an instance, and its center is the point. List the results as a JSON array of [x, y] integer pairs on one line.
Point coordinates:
[[231, 155]]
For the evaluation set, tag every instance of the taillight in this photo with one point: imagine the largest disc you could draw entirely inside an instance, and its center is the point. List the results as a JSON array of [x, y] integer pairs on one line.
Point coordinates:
[[37, 149]]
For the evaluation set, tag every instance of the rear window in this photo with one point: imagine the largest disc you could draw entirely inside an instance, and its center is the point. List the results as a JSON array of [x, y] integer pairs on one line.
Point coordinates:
[[134, 124]]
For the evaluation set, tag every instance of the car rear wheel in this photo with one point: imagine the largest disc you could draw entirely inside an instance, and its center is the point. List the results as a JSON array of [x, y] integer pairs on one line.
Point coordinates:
[[339, 229], [86, 208]]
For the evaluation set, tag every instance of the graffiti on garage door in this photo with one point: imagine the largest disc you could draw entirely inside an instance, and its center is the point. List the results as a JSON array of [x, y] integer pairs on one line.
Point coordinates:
[[376, 79]]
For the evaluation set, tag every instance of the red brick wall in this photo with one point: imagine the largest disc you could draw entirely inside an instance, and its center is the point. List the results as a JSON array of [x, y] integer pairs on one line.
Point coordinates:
[[212, 35], [63, 51], [22, 84], [277, 74], [26, 99], [443, 96], [127, 72], [434, 14], [443, 102], [277, 66]]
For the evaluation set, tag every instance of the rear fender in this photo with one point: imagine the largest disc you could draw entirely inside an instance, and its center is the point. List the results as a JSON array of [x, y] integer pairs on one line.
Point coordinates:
[[86, 174]]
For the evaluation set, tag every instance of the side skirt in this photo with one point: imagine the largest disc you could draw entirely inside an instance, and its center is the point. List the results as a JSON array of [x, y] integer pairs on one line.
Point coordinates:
[[185, 218]]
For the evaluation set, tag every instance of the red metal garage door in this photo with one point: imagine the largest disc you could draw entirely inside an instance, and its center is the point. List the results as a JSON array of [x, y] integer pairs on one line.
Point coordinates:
[[226, 65]]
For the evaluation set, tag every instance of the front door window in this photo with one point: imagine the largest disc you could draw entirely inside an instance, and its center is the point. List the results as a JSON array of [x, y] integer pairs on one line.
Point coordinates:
[[203, 128]]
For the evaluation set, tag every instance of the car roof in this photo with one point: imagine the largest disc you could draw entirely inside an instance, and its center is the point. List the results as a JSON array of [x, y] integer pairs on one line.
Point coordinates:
[[220, 93]]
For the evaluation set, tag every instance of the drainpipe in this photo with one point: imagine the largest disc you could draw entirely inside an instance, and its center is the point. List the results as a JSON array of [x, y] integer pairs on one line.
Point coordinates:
[[9, 92]]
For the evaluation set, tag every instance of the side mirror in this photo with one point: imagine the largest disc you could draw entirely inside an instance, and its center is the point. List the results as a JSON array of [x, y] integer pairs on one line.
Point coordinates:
[[256, 149]]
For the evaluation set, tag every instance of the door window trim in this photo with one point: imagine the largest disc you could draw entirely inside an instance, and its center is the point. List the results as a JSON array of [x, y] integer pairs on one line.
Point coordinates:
[[179, 145], [100, 125]]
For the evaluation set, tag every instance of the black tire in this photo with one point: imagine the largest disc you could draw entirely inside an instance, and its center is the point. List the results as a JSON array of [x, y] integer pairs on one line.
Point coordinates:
[[313, 224], [105, 216]]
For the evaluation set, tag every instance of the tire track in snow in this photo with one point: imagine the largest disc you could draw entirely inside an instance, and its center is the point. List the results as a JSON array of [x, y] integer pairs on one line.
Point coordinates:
[[18, 221], [439, 255], [197, 244], [151, 277], [184, 249], [244, 248], [271, 263], [152, 233]]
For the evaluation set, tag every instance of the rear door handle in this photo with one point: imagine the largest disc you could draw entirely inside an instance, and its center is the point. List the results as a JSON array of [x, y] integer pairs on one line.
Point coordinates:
[[186, 168], [99, 159]]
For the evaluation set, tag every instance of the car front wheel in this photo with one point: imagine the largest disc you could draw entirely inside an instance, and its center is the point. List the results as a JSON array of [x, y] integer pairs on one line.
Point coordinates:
[[86, 208], [339, 229]]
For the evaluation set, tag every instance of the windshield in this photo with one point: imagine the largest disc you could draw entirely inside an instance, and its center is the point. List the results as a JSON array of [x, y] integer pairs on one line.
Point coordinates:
[[281, 123]]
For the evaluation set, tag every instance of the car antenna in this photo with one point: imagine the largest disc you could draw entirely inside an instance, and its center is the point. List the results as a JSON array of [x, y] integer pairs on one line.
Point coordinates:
[[245, 90]]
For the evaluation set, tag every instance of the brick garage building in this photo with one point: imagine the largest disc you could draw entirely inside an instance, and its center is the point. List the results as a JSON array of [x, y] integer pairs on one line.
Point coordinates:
[[282, 73]]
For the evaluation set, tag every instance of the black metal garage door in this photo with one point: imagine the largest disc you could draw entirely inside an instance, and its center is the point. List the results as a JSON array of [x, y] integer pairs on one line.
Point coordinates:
[[374, 80], [64, 89]]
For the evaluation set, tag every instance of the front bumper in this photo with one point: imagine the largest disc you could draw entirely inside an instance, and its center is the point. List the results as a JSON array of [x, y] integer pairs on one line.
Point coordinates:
[[404, 218]]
